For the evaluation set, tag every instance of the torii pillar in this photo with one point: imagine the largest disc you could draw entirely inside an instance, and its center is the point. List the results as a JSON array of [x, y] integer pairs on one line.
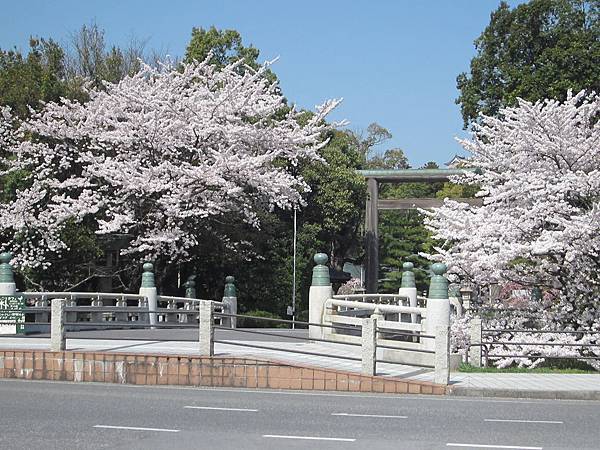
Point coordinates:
[[372, 236]]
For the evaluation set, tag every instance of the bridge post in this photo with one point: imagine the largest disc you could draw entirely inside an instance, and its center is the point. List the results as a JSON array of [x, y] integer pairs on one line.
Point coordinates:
[[190, 292], [148, 289], [438, 321], [408, 287], [475, 351], [442, 355], [230, 301], [320, 291], [369, 345], [121, 316], [7, 279], [96, 316], [57, 325], [206, 335]]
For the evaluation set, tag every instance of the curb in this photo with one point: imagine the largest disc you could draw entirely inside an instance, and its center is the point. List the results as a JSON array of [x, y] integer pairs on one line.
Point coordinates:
[[524, 393]]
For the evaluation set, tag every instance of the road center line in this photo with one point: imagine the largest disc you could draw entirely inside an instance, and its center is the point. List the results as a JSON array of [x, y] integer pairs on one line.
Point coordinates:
[[113, 427], [369, 415], [517, 447], [522, 421], [308, 438], [214, 408]]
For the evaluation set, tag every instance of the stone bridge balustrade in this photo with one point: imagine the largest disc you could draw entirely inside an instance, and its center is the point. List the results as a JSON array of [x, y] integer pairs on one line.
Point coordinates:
[[406, 333]]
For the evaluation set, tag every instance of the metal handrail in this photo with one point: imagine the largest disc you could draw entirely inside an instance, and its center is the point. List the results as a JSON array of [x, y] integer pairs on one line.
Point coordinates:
[[550, 344], [272, 319], [508, 330], [543, 356], [167, 298], [370, 296], [302, 352], [404, 333], [392, 347], [266, 333]]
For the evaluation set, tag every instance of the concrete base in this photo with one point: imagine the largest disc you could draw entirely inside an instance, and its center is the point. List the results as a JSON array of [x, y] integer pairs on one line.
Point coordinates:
[[186, 370]]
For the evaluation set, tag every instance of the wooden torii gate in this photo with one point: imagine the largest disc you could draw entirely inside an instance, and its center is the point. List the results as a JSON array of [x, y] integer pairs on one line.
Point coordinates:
[[374, 177]]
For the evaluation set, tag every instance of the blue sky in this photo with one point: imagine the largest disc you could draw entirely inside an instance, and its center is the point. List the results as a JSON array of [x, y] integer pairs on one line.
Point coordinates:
[[393, 62]]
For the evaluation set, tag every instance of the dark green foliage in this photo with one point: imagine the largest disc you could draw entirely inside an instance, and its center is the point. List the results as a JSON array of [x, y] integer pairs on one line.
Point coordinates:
[[226, 47], [29, 80], [537, 50], [76, 266], [337, 195]]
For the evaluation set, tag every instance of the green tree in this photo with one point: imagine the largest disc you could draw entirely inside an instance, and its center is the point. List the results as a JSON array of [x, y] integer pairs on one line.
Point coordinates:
[[539, 49], [88, 57], [226, 47], [394, 158], [29, 80]]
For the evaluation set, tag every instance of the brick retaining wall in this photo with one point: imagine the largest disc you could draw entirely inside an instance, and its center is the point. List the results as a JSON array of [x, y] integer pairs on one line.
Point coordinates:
[[154, 369]]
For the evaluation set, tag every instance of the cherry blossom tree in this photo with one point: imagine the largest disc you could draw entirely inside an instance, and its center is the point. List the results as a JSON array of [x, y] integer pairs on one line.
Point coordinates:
[[539, 179], [163, 156]]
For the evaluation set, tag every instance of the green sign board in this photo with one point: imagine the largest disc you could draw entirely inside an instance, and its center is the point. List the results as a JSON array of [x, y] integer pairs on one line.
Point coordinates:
[[11, 311]]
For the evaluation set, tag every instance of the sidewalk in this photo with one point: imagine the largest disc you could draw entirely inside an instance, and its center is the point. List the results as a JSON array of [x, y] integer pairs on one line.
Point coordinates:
[[510, 385]]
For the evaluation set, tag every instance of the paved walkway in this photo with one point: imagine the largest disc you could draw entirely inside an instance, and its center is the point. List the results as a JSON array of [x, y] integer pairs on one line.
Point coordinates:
[[583, 386]]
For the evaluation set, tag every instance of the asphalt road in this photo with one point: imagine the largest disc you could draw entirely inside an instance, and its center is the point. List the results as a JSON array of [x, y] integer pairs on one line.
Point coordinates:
[[53, 415]]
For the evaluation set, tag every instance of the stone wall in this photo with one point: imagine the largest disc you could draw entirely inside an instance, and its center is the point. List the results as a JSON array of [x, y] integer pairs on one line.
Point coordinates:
[[195, 371]]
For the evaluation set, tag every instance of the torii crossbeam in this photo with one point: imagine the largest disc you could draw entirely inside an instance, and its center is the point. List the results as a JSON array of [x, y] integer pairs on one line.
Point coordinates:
[[374, 177]]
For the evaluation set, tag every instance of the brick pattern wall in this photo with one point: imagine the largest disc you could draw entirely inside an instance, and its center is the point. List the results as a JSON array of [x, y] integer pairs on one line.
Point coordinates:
[[196, 371]]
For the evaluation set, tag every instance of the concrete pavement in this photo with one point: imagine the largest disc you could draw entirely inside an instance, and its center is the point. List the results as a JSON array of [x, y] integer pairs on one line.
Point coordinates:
[[57, 415]]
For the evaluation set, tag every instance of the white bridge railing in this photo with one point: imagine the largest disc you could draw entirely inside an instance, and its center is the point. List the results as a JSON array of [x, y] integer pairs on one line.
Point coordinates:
[[400, 327], [97, 307]]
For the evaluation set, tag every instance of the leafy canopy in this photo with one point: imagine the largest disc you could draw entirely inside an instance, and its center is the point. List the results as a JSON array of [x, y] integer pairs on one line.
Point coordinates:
[[537, 50]]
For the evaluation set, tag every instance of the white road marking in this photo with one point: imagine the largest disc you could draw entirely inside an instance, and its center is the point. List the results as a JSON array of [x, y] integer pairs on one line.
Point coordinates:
[[517, 447], [214, 408], [369, 415], [113, 427], [308, 438], [522, 421]]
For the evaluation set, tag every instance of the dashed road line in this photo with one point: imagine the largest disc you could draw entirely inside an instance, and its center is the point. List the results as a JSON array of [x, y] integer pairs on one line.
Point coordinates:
[[114, 427], [215, 408], [308, 438], [383, 416]]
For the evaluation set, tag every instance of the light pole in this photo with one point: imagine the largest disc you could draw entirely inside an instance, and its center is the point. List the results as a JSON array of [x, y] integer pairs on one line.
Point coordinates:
[[294, 276]]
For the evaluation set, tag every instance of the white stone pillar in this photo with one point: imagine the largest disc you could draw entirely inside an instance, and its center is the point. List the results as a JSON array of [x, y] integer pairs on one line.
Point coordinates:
[[475, 334], [7, 280], [57, 325], [148, 289], [438, 305], [206, 329], [369, 346], [8, 288], [230, 308], [442, 355]]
